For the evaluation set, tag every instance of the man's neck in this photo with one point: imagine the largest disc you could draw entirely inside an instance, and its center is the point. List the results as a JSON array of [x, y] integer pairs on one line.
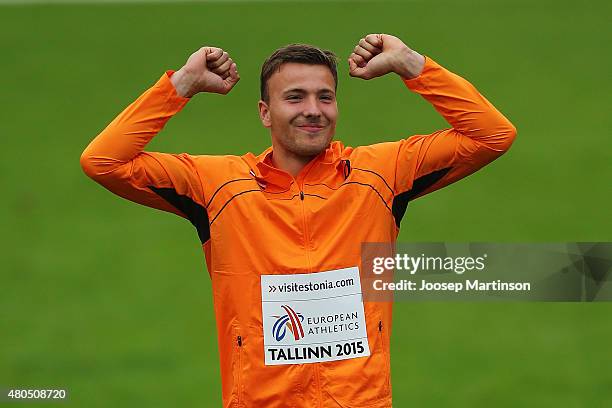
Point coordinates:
[[289, 162]]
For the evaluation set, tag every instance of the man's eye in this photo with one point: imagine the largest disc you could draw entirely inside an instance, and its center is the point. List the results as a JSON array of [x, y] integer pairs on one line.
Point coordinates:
[[293, 97], [326, 97]]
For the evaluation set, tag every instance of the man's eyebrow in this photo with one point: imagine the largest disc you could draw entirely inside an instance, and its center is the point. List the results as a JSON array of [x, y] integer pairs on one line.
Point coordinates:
[[303, 91]]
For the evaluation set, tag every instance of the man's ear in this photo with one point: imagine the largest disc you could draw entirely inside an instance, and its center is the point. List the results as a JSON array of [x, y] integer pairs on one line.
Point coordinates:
[[264, 114]]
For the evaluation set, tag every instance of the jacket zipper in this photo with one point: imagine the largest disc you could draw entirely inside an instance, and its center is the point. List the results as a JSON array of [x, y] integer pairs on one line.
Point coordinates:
[[307, 249], [318, 380], [384, 356], [239, 376], [305, 228]]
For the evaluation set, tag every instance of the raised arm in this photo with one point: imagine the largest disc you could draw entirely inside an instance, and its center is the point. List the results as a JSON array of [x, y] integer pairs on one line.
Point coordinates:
[[116, 158], [424, 163]]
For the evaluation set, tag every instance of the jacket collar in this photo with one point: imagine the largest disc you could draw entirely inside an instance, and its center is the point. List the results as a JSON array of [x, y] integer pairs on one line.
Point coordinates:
[[269, 176]]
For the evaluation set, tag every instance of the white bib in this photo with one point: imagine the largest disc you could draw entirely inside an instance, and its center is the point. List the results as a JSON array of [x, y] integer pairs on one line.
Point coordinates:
[[313, 317]]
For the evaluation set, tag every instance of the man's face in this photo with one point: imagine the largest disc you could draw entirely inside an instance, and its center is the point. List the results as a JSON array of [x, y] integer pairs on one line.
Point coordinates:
[[302, 111]]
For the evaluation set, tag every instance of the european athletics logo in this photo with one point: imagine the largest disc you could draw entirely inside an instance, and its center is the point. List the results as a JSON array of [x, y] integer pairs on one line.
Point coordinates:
[[291, 320]]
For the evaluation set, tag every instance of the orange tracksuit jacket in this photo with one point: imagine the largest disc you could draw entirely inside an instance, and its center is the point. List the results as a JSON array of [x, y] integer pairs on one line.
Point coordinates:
[[254, 219]]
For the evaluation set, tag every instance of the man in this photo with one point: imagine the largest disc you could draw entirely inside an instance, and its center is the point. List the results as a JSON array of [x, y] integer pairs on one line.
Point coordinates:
[[282, 231]]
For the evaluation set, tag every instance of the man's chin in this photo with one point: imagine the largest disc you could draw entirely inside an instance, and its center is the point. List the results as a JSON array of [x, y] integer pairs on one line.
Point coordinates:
[[311, 150]]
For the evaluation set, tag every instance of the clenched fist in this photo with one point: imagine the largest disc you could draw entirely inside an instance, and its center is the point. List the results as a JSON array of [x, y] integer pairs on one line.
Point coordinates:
[[379, 54], [209, 69]]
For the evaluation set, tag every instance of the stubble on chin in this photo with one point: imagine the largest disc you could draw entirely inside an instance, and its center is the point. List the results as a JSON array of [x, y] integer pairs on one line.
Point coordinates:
[[301, 146]]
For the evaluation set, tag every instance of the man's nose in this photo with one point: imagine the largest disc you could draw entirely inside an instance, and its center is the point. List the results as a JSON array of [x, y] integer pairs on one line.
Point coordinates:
[[311, 107]]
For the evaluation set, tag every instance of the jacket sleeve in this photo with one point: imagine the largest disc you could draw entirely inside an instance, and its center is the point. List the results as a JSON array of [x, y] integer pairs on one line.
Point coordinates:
[[116, 160], [479, 135]]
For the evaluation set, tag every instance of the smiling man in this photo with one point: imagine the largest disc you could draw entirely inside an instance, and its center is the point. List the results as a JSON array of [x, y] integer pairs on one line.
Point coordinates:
[[282, 231], [298, 104]]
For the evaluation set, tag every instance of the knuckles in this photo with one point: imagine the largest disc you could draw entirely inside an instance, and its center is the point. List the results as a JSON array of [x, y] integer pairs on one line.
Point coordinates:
[[372, 38]]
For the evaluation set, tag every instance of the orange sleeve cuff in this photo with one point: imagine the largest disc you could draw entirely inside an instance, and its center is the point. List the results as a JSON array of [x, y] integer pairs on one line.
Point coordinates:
[[165, 86], [419, 83]]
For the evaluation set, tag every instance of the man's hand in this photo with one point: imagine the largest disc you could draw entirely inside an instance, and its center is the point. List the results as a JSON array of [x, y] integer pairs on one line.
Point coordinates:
[[379, 54], [209, 69]]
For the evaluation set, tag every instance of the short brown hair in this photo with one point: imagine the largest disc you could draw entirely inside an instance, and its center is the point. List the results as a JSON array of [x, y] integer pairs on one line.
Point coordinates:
[[301, 54]]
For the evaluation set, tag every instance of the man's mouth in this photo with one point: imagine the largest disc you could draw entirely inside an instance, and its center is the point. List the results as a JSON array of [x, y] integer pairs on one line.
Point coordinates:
[[311, 128]]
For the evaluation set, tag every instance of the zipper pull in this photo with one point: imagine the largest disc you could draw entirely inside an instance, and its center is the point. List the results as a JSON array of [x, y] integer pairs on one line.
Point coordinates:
[[239, 341], [347, 168], [380, 325], [301, 195]]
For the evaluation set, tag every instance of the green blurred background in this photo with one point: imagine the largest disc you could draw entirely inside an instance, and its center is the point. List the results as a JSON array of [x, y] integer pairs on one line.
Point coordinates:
[[112, 300]]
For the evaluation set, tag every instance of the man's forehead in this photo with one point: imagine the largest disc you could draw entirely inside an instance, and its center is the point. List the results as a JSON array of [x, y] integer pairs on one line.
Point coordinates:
[[301, 76]]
